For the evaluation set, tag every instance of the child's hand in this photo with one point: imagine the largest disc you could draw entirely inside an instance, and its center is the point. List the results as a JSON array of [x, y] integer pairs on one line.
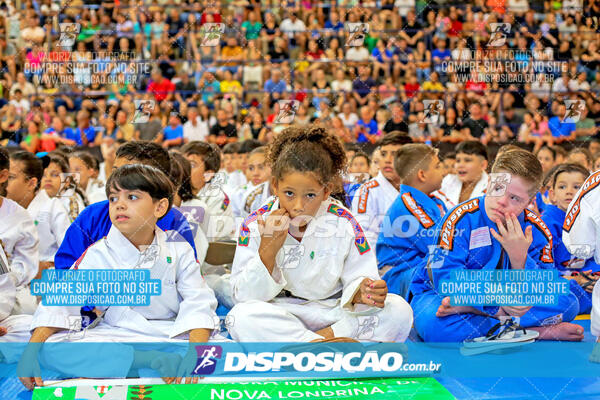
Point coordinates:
[[3, 331], [273, 233], [515, 242], [371, 293]]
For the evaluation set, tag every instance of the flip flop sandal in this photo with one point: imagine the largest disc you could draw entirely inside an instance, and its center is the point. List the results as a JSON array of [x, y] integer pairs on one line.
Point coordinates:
[[501, 336]]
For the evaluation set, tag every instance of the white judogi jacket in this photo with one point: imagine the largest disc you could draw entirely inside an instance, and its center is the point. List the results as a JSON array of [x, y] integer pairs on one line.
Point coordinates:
[[8, 291], [254, 197], [218, 208], [449, 193], [95, 191], [581, 233], [19, 241], [237, 195], [185, 299], [326, 267], [234, 180], [371, 203], [52, 221], [72, 202]]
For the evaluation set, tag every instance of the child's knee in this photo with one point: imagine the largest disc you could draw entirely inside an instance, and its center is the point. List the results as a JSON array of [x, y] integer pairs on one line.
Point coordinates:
[[398, 315], [243, 317]]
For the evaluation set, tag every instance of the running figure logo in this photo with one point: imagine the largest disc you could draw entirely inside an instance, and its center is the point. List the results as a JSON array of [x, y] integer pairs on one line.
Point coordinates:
[[68, 34], [143, 111], [287, 111], [574, 110], [432, 111], [207, 359], [357, 31], [499, 33], [211, 34]]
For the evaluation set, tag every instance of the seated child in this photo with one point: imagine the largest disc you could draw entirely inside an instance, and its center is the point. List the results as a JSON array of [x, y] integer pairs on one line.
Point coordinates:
[[581, 156], [93, 223], [580, 235], [564, 184], [215, 276], [470, 179], [401, 249], [231, 166], [20, 255], [377, 195], [88, 168], [59, 183], [292, 282], [49, 215], [495, 231], [259, 176], [207, 186], [139, 195]]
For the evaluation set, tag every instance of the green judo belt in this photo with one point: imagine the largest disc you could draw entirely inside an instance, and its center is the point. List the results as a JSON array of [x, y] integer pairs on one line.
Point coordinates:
[[367, 389]]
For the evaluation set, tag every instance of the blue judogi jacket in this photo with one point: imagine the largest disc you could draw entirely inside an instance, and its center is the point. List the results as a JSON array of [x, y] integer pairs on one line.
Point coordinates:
[[463, 241], [554, 218], [406, 231]]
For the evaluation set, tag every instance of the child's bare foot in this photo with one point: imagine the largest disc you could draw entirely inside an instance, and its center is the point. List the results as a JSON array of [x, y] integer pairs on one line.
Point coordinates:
[[445, 309], [565, 331], [3, 331]]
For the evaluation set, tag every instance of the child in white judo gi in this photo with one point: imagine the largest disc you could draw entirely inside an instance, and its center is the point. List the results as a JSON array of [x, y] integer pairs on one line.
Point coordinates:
[[303, 269], [18, 263], [374, 198], [259, 191], [470, 179], [207, 189], [581, 236], [138, 195], [49, 215], [59, 183], [88, 169]]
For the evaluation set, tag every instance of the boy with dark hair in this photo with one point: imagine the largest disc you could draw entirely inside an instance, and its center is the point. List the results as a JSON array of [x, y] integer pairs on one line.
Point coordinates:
[[400, 251], [139, 195], [470, 179], [93, 223], [208, 186], [488, 233], [231, 166], [377, 195]]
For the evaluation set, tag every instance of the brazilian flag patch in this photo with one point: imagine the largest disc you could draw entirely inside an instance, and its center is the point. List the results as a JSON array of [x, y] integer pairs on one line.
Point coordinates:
[[359, 235]]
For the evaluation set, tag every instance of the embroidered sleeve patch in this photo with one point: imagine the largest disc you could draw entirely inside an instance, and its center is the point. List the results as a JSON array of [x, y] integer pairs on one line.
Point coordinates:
[[359, 235], [536, 220], [364, 195], [417, 211], [225, 202], [588, 185], [446, 240], [244, 237]]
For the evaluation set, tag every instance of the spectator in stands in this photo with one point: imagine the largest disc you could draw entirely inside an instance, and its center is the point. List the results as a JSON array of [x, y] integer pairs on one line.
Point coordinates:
[[161, 88]]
